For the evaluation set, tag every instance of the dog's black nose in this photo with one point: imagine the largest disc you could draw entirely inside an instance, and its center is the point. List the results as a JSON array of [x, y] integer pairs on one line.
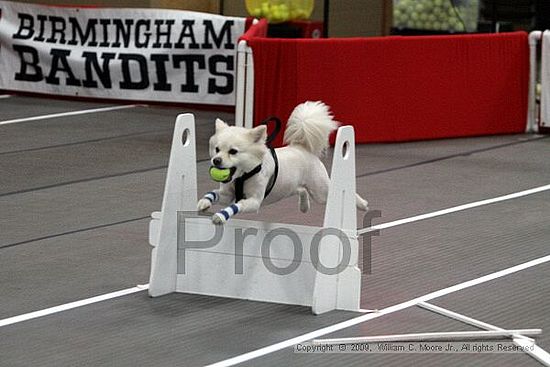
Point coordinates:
[[217, 162]]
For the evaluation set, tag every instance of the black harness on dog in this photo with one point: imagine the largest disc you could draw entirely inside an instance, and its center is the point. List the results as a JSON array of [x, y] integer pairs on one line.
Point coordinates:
[[239, 181]]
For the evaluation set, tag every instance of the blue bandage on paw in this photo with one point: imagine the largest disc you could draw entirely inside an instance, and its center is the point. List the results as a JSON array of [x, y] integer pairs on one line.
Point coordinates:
[[229, 211], [211, 196], [225, 214]]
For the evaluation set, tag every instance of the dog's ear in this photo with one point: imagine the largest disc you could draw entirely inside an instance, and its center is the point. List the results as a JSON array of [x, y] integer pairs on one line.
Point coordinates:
[[259, 133], [220, 125]]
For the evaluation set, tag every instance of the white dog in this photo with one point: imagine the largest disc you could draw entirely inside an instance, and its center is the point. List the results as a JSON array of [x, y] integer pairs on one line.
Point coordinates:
[[243, 155]]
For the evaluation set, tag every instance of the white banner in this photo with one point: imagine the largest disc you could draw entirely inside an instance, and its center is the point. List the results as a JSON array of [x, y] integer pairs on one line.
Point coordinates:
[[133, 54]]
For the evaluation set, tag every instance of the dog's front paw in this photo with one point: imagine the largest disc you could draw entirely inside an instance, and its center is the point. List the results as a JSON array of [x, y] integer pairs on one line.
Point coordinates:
[[362, 204], [218, 218], [203, 204]]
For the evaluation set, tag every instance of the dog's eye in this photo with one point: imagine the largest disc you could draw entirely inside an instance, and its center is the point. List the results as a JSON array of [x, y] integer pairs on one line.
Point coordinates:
[[217, 150], [233, 151]]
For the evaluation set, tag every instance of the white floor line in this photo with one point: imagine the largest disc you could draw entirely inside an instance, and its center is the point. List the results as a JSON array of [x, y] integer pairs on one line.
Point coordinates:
[[454, 209], [357, 320], [5, 96], [69, 306], [70, 113], [537, 353]]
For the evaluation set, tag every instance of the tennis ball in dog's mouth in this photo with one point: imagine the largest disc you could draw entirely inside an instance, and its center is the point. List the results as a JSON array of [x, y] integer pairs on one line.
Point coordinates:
[[220, 174]]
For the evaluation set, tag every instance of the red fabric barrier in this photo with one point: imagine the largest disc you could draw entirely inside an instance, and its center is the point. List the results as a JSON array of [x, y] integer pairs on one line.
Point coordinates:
[[399, 88]]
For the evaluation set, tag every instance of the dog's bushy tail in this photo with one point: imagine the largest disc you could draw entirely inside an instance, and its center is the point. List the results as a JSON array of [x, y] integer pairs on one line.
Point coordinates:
[[309, 126]]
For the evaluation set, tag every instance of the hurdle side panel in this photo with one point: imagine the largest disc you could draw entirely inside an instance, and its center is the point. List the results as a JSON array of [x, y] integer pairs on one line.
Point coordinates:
[[180, 194], [343, 290], [545, 81]]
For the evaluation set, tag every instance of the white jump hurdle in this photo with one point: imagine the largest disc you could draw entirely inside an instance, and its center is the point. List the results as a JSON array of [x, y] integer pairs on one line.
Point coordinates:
[[249, 256]]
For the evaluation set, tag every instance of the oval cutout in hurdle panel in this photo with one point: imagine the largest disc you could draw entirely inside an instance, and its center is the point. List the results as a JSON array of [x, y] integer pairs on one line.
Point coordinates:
[[185, 137], [345, 150]]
